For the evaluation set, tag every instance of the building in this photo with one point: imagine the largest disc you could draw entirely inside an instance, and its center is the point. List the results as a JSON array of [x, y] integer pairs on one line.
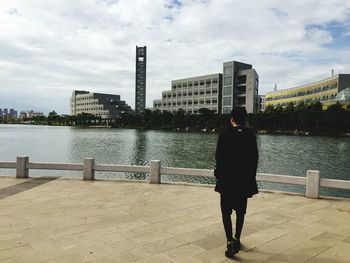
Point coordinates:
[[240, 87], [30, 114], [262, 101], [101, 105], [10, 113], [140, 80], [192, 94], [13, 113], [237, 86], [324, 91]]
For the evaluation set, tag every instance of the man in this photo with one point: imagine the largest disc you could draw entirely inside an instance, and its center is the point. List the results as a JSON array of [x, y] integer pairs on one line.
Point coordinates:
[[236, 165]]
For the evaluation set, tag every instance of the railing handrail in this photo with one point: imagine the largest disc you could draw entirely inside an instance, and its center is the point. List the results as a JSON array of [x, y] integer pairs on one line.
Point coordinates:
[[312, 180]]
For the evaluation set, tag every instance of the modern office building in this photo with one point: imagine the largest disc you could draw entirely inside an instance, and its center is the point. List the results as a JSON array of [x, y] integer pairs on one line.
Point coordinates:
[[324, 91], [140, 80], [106, 106], [238, 86], [192, 94]]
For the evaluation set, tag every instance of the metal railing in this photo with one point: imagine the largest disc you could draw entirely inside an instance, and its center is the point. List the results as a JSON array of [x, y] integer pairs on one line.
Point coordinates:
[[312, 181]]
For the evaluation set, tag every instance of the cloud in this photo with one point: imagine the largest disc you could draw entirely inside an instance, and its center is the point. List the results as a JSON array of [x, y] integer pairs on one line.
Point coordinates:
[[49, 48]]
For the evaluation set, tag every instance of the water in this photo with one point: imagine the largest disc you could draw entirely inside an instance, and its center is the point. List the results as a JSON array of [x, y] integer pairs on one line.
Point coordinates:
[[284, 155]]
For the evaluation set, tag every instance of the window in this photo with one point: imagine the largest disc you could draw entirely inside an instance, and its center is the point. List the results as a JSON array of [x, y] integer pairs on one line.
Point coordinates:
[[201, 82], [242, 79], [190, 84], [201, 92], [214, 91], [190, 94], [184, 85], [227, 91], [215, 81], [190, 103], [226, 110], [195, 93], [195, 83], [228, 70], [214, 101], [227, 81], [227, 101], [207, 101], [207, 92]]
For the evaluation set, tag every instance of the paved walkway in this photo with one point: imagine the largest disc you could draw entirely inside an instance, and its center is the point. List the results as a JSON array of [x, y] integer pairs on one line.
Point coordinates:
[[70, 220]]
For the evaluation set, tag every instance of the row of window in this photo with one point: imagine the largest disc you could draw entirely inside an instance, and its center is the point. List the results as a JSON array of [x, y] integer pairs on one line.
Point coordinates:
[[302, 93], [196, 102], [194, 93], [323, 98], [193, 111], [207, 82]]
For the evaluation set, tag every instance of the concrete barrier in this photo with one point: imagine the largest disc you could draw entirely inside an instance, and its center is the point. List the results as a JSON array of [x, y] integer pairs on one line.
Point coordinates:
[[312, 181]]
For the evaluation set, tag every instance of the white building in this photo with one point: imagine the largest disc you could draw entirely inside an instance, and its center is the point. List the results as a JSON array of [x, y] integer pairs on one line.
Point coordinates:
[[192, 94], [99, 104], [236, 87]]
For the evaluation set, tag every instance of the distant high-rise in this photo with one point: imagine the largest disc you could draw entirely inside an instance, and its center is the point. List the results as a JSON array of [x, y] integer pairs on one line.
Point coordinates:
[[140, 81]]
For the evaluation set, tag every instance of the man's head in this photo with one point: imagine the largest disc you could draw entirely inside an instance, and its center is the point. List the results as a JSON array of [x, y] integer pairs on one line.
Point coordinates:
[[238, 115]]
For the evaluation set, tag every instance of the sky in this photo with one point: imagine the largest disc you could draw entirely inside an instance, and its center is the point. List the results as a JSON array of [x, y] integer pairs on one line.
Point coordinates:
[[50, 48]]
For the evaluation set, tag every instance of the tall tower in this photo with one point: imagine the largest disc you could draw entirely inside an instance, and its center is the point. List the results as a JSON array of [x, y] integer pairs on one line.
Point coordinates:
[[140, 82]]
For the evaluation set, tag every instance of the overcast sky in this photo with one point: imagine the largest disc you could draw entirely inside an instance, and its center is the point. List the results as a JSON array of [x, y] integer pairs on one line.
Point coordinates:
[[50, 47]]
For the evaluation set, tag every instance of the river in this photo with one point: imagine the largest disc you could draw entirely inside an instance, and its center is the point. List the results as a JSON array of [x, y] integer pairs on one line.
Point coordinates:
[[279, 154]]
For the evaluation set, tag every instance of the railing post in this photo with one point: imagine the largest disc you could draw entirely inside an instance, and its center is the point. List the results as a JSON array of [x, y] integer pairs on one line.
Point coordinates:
[[21, 167], [313, 184], [155, 172], [89, 172]]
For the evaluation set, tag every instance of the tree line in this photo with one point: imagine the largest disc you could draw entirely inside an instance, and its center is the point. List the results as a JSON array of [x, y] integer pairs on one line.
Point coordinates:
[[292, 118]]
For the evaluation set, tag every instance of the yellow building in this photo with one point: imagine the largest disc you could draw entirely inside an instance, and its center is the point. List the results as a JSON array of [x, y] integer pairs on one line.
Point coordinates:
[[324, 91]]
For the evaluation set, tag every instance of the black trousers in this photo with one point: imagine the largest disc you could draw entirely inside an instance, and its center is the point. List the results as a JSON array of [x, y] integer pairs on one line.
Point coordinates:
[[229, 203]]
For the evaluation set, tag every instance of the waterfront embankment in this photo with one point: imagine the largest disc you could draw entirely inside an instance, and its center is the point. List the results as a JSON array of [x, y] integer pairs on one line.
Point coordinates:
[[71, 220]]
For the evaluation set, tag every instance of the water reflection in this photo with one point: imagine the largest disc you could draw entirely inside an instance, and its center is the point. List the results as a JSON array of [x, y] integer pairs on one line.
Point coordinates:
[[138, 155]]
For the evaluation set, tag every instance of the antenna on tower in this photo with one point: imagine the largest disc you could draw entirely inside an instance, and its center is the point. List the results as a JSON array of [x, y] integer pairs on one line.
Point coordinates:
[[275, 88], [332, 73]]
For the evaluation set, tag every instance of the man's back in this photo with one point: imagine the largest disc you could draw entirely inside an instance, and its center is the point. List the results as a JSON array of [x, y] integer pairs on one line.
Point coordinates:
[[236, 161]]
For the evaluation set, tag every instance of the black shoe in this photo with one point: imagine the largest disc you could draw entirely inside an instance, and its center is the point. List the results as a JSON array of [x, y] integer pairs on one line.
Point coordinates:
[[231, 248], [237, 244]]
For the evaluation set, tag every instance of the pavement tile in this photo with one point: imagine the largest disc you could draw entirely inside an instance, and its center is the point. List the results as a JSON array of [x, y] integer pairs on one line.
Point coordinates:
[[71, 220]]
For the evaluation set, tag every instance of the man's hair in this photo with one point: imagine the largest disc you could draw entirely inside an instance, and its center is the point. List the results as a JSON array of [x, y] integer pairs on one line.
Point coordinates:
[[238, 114]]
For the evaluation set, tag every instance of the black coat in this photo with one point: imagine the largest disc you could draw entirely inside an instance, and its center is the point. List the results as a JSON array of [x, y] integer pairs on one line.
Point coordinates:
[[236, 162]]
